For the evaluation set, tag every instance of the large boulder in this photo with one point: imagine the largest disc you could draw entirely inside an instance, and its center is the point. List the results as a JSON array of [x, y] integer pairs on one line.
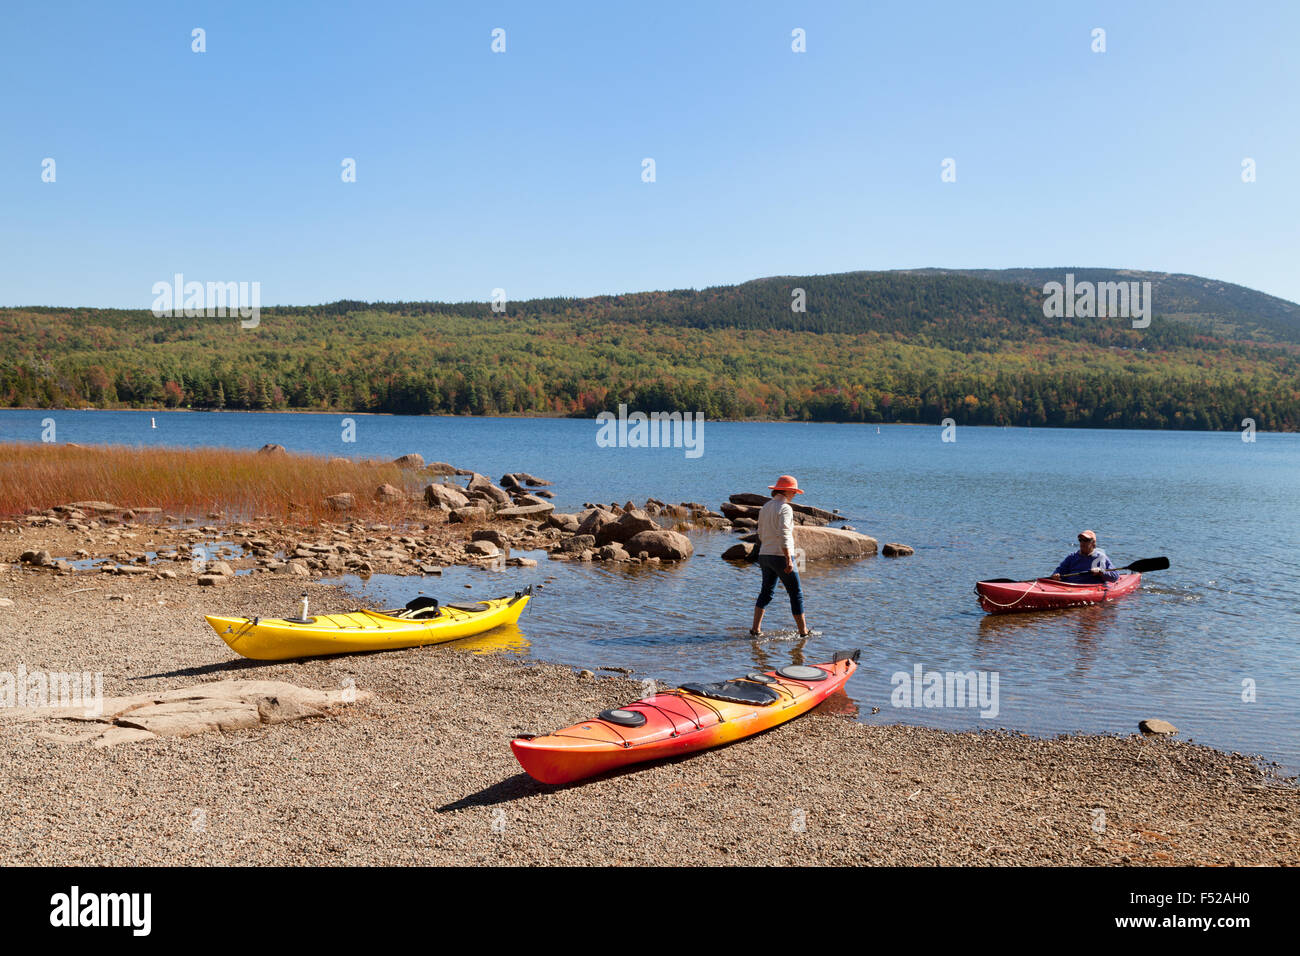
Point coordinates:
[[821, 514], [565, 522], [466, 515], [747, 499], [593, 520], [631, 523], [409, 461], [273, 449], [387, 492], [818, 544], [663, 544], [801, 518], [733, 511], [740, 552], [482, 485], [343, 501], [824, 544], [576, 544], [438, 468], [446, 497]]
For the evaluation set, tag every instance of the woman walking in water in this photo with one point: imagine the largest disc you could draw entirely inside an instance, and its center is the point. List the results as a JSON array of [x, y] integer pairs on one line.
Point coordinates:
[[776, 553]]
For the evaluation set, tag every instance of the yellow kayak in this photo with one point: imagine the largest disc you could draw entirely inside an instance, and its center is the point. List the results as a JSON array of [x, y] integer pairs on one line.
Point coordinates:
[[422, 621]]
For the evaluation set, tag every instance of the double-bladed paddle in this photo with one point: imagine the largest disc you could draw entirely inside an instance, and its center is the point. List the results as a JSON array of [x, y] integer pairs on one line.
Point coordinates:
[[1140, 566]]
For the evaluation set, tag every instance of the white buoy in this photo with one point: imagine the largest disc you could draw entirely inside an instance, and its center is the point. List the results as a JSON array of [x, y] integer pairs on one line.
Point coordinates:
[[153, 423]]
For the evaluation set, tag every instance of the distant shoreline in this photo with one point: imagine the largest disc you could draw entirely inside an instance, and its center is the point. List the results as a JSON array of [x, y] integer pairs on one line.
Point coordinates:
[[592, 418]]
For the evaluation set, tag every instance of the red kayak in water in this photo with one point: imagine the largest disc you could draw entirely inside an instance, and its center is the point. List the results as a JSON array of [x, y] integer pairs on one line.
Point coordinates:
[[1006, 597]]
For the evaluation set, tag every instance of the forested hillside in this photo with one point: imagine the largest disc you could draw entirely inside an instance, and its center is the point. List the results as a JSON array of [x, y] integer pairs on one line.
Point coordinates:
[[1228, 308], [870, 347]]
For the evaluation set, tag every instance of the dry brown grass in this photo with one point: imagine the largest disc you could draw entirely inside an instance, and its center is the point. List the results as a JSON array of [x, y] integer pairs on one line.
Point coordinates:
[[196, 481]]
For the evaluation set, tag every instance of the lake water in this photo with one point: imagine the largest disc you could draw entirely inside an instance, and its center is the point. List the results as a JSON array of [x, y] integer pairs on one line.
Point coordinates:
[[1212, 644]]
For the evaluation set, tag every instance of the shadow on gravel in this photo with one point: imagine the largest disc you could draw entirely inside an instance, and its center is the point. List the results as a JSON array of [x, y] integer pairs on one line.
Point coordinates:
[[512, 788], [219, 668], [522, 785]]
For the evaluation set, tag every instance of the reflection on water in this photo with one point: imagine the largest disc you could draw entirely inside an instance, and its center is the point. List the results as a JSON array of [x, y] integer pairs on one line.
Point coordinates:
[[506, 639], [839, 704]]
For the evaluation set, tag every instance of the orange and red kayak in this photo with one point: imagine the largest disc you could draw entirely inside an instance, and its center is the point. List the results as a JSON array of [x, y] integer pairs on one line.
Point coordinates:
[[1005, 597], [692, 717]]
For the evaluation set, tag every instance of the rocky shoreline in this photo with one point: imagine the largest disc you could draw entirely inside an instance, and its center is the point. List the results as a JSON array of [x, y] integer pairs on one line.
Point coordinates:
[[477, 523], [422, 774]]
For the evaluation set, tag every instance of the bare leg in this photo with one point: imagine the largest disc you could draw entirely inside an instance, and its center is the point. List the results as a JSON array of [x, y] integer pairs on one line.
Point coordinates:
[[757, 629], [803, 625]]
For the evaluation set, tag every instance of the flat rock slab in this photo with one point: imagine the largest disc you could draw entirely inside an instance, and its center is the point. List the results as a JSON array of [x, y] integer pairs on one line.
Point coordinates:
[[205, 708], [525, 511], [1152, 726], [102, 507]]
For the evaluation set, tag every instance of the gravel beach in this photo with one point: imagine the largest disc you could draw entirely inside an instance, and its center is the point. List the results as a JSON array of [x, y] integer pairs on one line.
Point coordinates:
[[422, 773]]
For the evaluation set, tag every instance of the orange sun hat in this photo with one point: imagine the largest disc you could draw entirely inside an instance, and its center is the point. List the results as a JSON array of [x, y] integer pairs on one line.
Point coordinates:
[[786, 483]]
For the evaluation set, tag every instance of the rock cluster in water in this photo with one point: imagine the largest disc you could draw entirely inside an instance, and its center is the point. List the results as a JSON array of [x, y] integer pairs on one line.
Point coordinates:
[[512, 514]]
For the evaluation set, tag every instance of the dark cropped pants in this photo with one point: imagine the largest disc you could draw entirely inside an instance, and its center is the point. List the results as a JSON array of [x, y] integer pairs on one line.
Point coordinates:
[[773, 567]]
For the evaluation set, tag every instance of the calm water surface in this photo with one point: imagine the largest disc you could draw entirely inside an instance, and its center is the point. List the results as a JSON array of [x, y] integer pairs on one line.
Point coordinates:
[[995, 503]]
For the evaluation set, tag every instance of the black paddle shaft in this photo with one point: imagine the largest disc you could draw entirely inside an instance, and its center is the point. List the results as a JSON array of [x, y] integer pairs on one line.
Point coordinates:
[[1141, 566]]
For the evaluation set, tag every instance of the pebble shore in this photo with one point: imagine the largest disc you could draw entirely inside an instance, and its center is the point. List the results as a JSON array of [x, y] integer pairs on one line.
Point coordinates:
[[422, 772]]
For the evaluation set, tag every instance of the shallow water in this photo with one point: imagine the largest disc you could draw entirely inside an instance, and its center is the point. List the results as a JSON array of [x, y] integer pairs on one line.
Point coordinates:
[[1188, 647]]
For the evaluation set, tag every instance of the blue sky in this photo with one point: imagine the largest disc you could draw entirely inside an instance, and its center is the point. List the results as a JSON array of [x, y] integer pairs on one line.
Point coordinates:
[[522, 170]]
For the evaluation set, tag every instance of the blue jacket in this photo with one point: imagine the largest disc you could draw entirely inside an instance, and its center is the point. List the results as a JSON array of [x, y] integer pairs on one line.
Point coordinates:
[[1077, 562]]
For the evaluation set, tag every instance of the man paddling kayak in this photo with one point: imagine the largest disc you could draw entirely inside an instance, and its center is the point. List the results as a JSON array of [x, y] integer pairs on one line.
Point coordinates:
[[776, 553], [1087, 564]]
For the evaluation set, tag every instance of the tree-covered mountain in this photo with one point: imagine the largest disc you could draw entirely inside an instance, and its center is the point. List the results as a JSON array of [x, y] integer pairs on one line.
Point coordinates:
[[1231, 309], [916, 346]]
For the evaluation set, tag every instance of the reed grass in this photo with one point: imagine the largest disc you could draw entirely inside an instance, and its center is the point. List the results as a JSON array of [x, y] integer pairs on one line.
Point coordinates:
[[290, 488]]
